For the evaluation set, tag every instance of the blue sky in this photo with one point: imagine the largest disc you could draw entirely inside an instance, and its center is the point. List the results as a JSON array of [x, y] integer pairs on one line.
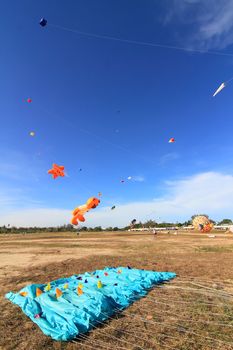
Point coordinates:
[[110, 107]]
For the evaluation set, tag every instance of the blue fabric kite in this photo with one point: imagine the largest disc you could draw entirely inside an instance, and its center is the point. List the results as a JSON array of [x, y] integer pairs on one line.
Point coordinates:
[[67, 307]]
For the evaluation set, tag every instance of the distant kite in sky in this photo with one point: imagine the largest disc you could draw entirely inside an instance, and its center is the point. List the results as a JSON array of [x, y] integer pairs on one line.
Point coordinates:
[[171, 140], [122, 181], [113, 207], [32, 133], [129, 177], [222, 86], [43, 22], [29, 100], [57, 170], [99, 194], [78, 213], [133, 222]]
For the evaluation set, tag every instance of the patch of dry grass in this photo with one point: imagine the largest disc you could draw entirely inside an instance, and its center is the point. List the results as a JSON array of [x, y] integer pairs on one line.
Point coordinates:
[[195, 311]]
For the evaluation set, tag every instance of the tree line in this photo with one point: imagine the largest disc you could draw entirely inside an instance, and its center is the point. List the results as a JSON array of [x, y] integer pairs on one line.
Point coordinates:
[[71, 228]]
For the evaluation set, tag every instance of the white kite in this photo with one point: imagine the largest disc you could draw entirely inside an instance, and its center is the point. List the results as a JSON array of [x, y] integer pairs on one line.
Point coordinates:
[[222, 86]]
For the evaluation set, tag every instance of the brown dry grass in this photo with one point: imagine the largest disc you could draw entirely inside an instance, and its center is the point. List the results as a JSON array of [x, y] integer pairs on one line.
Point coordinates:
[[195, 311]]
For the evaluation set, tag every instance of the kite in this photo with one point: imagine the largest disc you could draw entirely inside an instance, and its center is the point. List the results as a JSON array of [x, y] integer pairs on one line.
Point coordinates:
[[29, 100], [222, 86], [113, 207], [78, 212], [133, 222], [202, 223], [64, 314], [171, 140], [32, 133], [129, 177], [43, 22], [122, 181], [99, 194], [57, 170]]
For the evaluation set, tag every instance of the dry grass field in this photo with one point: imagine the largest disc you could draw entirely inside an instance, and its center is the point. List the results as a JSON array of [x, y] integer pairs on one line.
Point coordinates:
[[194, 311]]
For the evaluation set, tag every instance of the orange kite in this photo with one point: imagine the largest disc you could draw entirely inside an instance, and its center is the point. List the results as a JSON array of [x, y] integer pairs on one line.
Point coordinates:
[[57, 170], [82, 209]]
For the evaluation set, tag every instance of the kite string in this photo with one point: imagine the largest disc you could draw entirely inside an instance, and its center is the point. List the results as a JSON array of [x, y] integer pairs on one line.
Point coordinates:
[[127, 332], [226, 82], [86, 339], [112, 336], [192, 321], [214, 339], [143, 43], [135, 316], [187, 331], [147, 297], [205, 292]]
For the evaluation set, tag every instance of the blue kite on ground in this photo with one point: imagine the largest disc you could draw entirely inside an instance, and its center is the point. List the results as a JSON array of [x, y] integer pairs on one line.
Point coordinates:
[[67, 307]]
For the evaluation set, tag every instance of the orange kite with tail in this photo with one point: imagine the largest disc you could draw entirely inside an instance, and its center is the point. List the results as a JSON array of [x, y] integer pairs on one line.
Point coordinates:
[[57, 170], [82, 209]]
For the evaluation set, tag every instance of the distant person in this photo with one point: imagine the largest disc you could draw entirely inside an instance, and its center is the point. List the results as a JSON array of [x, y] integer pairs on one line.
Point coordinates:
[[154, 232]]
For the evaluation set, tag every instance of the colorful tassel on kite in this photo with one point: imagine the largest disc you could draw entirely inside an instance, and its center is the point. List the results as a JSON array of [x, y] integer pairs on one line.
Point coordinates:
[[48, 287], [38, 292], [79, 291], [58, 293], [99, 284]]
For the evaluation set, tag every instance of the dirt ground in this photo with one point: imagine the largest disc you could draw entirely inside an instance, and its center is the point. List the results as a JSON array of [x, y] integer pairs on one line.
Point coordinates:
[[194, 311]]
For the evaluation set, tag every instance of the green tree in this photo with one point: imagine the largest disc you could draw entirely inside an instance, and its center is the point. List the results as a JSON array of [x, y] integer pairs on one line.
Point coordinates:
[[193, 216], [225, 222], [150, 223], [98, 228]]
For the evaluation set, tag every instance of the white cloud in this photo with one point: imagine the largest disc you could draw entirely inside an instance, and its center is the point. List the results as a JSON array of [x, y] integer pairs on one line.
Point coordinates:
[[169, 157], [209, 23], [138, 178], [37, 217], [209, 192]]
